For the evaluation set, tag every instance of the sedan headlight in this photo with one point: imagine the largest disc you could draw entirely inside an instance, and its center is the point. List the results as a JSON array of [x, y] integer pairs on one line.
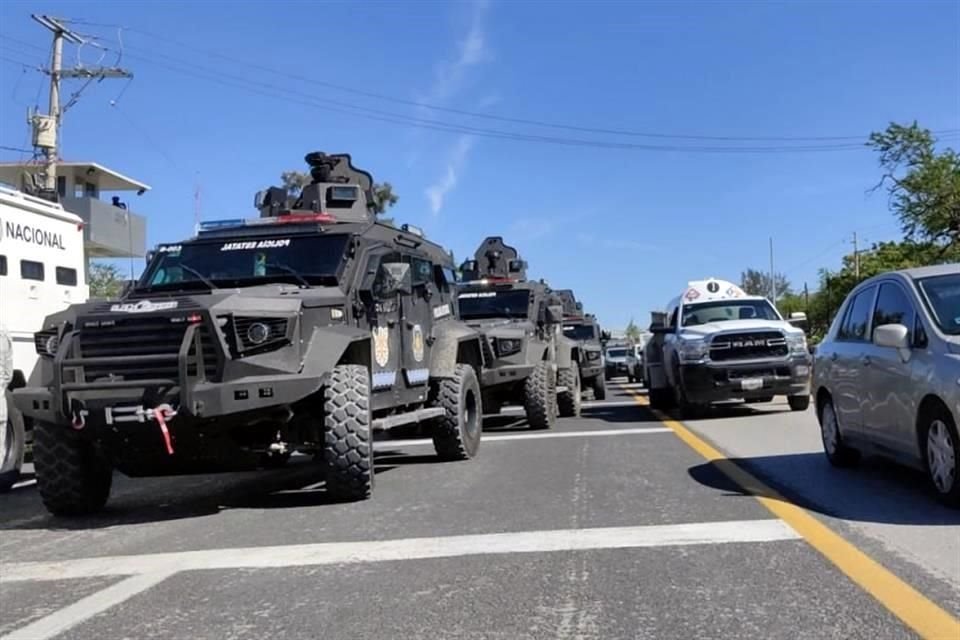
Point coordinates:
[[798, 344], [693, 349], [508, 346]]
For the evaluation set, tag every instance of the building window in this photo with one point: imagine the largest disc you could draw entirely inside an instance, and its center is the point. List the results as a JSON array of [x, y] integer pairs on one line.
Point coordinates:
[[67, 276], [3, 265], [30, 270]]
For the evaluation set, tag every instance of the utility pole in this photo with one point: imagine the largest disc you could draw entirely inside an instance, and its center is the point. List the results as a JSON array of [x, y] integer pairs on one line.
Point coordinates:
[[856, 257], [773, 277], [46, 128]]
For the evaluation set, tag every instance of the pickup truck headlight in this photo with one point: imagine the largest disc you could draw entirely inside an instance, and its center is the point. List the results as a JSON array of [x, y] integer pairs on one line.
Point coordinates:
[[693, 350], [797, 344], [508, 346], [47, 342]]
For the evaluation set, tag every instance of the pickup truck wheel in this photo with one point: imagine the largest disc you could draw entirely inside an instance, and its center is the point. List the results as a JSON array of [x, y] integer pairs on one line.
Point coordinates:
[[661, 398], [348, 441], [72, 476], [456, 434], [799, 403], [600, 388], [569, 400], [838, 453], [688, 410], [540, 397], [12, 448]]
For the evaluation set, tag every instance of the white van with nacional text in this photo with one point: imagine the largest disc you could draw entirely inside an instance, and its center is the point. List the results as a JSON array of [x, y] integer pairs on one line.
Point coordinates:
[[42, 271]]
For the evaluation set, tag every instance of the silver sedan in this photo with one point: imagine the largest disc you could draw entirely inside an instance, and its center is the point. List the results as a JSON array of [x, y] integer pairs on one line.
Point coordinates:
[[887, 376]]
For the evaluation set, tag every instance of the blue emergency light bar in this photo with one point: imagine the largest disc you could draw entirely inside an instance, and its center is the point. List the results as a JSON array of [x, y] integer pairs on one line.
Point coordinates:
[[289, 218]]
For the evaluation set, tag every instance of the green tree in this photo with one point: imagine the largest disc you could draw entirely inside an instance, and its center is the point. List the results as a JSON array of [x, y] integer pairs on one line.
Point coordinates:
[[294, 181], [383, 197], [632, 332], [757, 283], [105, 280], [923, 184]]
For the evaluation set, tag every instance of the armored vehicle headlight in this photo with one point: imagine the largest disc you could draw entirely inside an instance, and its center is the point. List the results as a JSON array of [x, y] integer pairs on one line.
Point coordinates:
[[593, 355], [693, 349], [46, 342], [506, 346], [258, 333]]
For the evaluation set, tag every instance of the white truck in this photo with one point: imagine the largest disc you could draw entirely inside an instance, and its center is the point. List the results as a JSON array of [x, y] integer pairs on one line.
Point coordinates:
[[42, 271], [716, 343]]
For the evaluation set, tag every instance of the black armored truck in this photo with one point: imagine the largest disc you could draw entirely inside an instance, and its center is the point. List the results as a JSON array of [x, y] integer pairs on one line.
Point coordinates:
[[584, 330], [527, 359], [305, 329]]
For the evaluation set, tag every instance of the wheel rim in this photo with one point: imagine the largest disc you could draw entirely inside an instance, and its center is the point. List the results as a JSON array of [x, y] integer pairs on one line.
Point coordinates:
[[941, 456], [829, 429]]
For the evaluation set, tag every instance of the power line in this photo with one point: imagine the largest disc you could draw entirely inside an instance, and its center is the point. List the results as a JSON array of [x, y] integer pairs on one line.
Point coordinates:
[[216, 76], [15, 149], [488, 116]]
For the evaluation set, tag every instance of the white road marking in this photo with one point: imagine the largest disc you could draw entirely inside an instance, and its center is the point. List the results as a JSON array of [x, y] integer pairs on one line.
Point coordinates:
[[493, 437], [24, 483], [85, 608], [590, 404], [299, 555]]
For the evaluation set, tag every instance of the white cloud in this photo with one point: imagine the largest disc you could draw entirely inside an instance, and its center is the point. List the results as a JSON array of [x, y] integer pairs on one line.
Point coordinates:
[[471, 51], [531, 228], [437, 192]]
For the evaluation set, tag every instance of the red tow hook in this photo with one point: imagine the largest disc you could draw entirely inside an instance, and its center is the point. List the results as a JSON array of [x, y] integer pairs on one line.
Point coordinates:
[[163, 413], [78, 422]]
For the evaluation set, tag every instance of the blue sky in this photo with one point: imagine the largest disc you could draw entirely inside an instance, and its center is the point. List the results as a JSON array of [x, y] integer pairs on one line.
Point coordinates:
[[625, 228]]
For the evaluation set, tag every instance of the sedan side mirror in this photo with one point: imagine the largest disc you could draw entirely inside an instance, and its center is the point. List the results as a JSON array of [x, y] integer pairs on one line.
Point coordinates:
[[895, 336]]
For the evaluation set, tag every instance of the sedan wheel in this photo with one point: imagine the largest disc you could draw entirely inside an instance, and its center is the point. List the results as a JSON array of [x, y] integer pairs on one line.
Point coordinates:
[[942, 457], [838, 453]]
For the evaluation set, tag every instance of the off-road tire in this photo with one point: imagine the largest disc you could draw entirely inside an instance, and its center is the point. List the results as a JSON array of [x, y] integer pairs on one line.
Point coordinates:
[[661, 398], [456, 434], [348, 439], [73, 477], [839, 455], [799, 403], [540, 397], [600, 388], [569, 401]]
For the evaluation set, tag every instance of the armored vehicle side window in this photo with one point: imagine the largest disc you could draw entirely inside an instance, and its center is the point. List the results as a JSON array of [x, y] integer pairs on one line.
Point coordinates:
[[30, 270], [422, 270], [381, 278], [67, 276], [3, 265]]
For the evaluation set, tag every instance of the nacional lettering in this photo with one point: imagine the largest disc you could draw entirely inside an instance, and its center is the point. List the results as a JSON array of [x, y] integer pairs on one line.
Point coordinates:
[[34, 235]]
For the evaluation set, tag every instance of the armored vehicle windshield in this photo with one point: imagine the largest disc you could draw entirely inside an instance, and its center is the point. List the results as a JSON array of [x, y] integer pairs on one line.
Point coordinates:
[[580, 331], [234, 262], [504, 303]]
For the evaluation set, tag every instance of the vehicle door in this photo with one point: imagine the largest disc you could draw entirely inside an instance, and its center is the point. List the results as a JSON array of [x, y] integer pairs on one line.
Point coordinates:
[[383, 314], [889, 408], [417, 323], [848, 360]]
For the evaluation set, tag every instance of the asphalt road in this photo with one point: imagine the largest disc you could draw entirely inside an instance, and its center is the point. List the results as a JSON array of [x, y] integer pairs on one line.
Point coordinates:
[[613, 525]]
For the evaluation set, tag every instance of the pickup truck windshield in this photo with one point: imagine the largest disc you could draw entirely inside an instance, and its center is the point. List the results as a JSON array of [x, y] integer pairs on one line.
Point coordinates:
[[476, 305], [617, 353], [942, 295], [726, 310], [235, 262]]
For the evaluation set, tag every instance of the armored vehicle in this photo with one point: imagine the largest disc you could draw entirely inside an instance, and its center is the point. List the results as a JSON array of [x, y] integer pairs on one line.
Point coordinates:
[[584, 330], [306, 329], [527, 361]]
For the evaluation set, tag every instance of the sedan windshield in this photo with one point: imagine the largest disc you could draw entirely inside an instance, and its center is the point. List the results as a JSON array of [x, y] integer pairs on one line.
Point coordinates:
[[942, 296], [725, 310], [307, 261], [476, 305]]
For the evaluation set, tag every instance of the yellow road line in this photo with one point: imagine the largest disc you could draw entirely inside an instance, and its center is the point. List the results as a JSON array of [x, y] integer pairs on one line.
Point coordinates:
[[913, 608]]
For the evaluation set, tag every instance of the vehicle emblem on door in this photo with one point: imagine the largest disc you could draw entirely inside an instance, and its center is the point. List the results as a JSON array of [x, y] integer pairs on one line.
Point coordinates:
[[381, 345], [417, 345]]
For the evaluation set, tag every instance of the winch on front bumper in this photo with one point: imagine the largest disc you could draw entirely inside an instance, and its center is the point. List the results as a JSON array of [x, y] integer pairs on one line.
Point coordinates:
[[114, 370]]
